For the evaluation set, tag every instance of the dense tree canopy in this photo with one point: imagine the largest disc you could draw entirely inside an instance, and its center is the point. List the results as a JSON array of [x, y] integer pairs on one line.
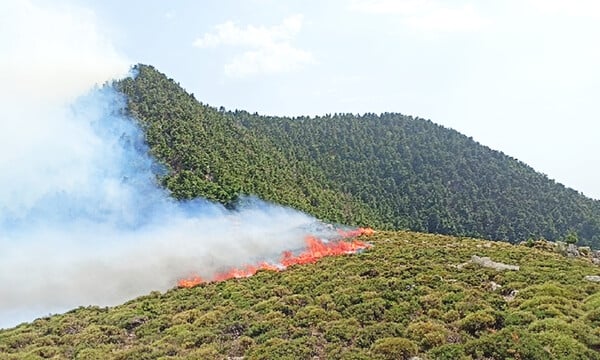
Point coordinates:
[[389, 171]]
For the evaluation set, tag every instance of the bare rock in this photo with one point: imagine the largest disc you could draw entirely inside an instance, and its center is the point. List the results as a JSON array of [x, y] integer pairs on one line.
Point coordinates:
[[593, 278], [488, 263], [585, 250], [493, 286], [573, 251]]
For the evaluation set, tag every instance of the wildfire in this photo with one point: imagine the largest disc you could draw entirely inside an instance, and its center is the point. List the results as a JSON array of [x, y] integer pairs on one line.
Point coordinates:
[[357, 232], [315, 249]]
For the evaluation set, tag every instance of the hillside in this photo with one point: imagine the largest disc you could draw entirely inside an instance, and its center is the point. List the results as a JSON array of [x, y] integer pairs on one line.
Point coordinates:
[[411, 294], [389, 171]]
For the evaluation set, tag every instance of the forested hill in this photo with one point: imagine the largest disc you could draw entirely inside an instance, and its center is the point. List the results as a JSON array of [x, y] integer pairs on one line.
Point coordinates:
[[387, 171]]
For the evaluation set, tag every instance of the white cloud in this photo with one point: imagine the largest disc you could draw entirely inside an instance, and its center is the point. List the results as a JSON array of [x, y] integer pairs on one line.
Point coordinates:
[[53, 53], [269, 59], [426, 15], [267, 49], [50, 56], [574, 8]]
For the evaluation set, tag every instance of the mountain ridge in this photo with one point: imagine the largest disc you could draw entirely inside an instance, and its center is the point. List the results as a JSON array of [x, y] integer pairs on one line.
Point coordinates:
[[389, 171]]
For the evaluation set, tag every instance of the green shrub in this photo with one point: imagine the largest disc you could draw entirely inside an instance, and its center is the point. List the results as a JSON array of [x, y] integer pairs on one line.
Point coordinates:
[[550, 288], [369, 311], [586, 333], [367, 335], [128, 319], [431, 301], [326, 302], [281, 349], [398, 313], [453, 297], [550, 324], [185, 317], [181, 335], [448, 352], [93, 354], [46, 352], [94, 335], [575, 330], [470, 305], [153, 327], [543, 306], [394, 348], [311, 315], [240, 346], [561, 346], [342, 331], [519, 317], [427, 334], [592, 302], [508, 343], [593, 316], [339, 353], [141, 352], [451, 316], [477, 322], [206, 351], [210, 318]]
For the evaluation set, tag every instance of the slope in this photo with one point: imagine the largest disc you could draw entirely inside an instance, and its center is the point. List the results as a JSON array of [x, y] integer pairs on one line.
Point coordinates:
[[209, 154], [388, 171], [411, 294]]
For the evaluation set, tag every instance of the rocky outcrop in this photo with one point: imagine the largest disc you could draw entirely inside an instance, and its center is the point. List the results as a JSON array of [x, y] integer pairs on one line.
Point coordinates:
[[568, 250], [488, 263], [593, 278]]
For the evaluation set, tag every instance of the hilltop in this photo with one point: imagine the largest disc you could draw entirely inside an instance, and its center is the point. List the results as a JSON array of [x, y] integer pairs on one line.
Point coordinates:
[[388, 171], [411, 294]]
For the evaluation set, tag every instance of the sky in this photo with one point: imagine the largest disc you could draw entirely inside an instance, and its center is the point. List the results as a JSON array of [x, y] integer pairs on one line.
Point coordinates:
[[519, 76]]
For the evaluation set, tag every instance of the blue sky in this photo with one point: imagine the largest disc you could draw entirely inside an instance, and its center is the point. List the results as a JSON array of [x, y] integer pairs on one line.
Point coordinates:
[[519, 76]]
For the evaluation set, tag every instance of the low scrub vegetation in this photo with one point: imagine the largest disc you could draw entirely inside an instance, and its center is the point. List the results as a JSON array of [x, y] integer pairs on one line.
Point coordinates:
[[407, 296]]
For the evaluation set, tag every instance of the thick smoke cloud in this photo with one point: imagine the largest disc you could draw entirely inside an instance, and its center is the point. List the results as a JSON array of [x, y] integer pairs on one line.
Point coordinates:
[[82, 220]]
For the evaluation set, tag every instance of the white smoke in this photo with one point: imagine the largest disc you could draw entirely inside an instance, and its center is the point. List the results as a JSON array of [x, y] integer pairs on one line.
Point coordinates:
[[82, 220]]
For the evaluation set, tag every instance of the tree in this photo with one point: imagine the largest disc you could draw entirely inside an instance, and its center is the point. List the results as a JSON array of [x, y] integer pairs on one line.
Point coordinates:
[[571, 237]]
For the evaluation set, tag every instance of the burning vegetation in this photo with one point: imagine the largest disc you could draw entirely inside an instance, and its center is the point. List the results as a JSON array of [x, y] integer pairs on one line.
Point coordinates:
[[315, 250], [405, 298]]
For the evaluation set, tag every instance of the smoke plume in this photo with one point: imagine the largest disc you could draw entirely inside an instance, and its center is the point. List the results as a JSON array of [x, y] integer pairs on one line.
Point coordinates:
[[82, 220]]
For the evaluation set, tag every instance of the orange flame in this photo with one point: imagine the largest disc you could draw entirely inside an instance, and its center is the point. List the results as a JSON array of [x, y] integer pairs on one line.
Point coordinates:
[[357, 232], [315, 250], [190, 282]]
